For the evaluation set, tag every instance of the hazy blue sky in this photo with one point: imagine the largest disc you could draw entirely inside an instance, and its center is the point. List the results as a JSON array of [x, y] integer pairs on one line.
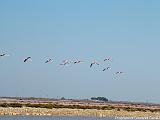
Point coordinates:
[[128, 31]]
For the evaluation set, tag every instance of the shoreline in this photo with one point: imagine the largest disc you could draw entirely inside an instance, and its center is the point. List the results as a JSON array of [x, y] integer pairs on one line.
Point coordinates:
[[28, 111]]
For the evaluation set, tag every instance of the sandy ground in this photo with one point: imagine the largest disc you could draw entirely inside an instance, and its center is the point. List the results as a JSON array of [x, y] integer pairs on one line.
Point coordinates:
[[74, 112]]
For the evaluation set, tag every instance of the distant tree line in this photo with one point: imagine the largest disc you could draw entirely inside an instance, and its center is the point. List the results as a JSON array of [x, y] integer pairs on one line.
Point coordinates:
[[99, 99]]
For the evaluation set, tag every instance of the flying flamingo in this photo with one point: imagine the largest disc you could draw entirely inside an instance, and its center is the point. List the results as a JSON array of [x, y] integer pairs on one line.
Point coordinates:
[[107, 59], [3, 55], [106, 68], [78, 61], [92, 63], [119, 72], [49, 60], [27, 58], [65, 62]]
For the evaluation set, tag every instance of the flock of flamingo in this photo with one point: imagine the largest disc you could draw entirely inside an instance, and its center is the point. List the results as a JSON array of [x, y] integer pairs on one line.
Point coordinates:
[[67, 62]]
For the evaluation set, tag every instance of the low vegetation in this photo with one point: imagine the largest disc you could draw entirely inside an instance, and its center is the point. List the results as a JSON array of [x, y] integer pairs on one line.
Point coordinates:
[[11, 105]]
